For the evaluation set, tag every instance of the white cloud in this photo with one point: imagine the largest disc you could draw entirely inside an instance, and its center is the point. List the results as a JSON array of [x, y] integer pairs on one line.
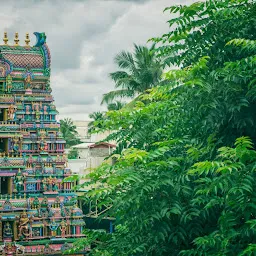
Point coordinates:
[[84, 37]]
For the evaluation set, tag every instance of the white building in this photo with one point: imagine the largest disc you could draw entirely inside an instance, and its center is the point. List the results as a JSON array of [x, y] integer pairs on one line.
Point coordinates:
[[92, 156], [84, 136], [91, 153]]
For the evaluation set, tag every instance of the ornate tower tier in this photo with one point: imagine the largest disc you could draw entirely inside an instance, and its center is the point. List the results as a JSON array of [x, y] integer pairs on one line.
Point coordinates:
[[38, 208]]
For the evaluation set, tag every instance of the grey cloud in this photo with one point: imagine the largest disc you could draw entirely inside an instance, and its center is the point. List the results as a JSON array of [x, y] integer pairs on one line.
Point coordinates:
[[67, 24], [84, 37]]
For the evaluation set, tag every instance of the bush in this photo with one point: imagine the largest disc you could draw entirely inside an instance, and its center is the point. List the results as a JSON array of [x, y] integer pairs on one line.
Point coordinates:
[[73, 154]]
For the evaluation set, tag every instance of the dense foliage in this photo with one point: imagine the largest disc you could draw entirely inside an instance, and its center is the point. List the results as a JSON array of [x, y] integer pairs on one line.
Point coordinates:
[[69, 132], [184, 176], [73, 153], [99, 117]]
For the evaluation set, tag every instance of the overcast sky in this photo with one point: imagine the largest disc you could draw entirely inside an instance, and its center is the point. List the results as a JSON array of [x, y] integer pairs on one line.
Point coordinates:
[[84, 37]]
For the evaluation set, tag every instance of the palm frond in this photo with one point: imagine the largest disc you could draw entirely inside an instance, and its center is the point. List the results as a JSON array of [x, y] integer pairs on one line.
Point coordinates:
[[117, 105], [122, 93], [125, 81], [125, 60], [142, 71]]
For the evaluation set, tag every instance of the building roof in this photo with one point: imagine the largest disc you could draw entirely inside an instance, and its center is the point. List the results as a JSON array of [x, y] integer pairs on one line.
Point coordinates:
[[102, 145], [86, 145], [23, 57], [83, 145]]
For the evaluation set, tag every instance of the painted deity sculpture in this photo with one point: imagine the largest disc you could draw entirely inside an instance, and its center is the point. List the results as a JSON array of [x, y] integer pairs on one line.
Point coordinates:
[[45, 146], [63, 228], [7, 231], [28, 80], [19, 182], [27, 109], [24, 227], [45, 109], [11, 111], [53, 227], [9, 83], [44, 184]]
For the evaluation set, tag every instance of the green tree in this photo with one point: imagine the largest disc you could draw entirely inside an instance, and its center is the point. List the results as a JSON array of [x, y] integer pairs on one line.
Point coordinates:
[[69, 132], [184, 176], [98, 118], [140, 70], [73, 154], [117, 105]]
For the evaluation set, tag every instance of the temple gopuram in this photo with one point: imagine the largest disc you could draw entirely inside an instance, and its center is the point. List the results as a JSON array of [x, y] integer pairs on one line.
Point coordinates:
[[38, 208]]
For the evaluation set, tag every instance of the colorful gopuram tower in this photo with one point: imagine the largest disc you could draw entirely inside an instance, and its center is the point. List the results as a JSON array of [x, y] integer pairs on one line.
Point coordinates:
[[38, 208]]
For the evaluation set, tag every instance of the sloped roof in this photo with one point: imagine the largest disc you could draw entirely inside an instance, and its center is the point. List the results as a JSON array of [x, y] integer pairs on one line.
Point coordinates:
[[94, 145], [23, 57], [102, 145], [83, 145], [17, 58]]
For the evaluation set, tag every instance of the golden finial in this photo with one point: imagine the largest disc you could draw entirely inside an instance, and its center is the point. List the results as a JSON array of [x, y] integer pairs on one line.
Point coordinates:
[[16, 39], [27, 40], [5, 38]]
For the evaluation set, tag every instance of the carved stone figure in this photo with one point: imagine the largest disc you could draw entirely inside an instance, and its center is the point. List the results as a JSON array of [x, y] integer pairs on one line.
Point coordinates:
[[45, 146], [63, 228], [55, 187], [58, 158], [9, 83], [37, 115], [19, 182], [24, 227], [53, 227], [44, 184], [50, 183], [7, 231], [9, 248], [42, 145], [27, 109], [28, 80], [11, 111]]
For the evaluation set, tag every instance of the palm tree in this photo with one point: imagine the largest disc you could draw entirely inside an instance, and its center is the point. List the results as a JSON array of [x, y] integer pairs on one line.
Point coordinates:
[[69, 132], [115, 105], [140, 70], [97, 117]]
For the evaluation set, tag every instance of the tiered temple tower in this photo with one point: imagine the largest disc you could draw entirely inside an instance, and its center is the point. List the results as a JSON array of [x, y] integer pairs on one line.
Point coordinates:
[[38, 208]]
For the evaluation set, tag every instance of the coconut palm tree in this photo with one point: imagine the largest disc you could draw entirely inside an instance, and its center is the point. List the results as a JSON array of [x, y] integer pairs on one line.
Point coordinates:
[[97, 117], [140, 70], [69, 132], [115, 105]]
